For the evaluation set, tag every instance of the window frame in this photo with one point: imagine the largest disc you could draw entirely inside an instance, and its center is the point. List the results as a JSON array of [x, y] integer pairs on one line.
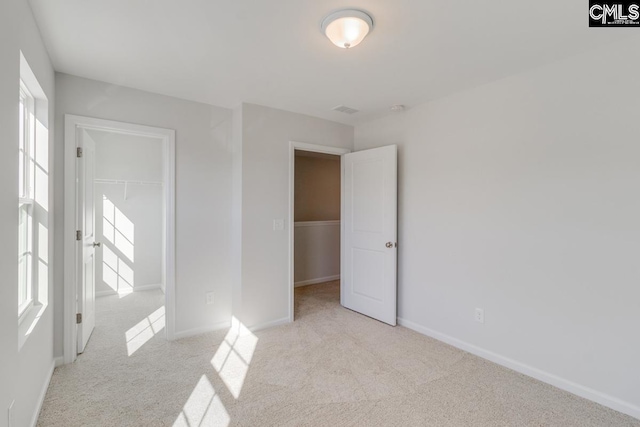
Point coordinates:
[[26, 202]]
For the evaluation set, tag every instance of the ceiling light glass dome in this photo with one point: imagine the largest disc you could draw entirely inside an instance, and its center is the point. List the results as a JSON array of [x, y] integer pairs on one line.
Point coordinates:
[[347, 28]]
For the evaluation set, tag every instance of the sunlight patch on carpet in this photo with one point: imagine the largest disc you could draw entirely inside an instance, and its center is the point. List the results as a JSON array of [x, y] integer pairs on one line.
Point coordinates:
[[203, 408], [138, 335], [234, 355]]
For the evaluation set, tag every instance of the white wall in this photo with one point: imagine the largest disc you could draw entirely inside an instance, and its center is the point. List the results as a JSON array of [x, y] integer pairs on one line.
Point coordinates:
[[25, 372], [521, 197], [203, 190], [316, 252], [116, 270], [132, 259], [236, 211], [9, 75], [266, 133]]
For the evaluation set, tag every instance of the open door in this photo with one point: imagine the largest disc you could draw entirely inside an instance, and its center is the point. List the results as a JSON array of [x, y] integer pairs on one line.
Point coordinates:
[[369, 216], [86, 268]]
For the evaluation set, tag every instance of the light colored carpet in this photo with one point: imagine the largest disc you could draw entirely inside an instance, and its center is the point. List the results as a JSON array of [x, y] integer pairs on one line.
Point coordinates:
[[331, 367]]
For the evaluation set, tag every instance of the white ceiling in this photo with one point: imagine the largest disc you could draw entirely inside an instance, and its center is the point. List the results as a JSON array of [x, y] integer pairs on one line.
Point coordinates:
[[271, 52]]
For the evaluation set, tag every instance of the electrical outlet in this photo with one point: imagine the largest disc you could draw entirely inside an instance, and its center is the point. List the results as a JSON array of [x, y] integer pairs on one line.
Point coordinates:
[[210, 298], [278, 224], [11, 422], [479, 315]]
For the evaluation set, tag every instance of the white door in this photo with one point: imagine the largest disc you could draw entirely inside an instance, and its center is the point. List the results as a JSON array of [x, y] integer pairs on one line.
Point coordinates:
[[369, 216], [86, 268]]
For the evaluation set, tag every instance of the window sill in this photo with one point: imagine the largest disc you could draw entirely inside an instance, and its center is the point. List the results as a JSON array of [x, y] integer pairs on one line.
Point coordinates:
[[28, 323], [23, 312]]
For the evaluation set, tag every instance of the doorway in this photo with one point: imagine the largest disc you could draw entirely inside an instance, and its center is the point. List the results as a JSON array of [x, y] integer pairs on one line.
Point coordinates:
[[119, 209], [316, 203], [316, 258], [368, 229]]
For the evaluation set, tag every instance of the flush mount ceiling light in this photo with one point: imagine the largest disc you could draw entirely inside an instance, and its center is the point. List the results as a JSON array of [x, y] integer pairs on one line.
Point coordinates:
[[347, 28]]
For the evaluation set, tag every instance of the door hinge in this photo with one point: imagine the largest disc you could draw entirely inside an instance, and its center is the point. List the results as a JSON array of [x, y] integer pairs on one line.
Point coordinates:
[[79, 152], [79, 235], [78, 318]]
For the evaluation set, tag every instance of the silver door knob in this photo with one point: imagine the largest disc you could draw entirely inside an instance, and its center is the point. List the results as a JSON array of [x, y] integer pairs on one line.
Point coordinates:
[[389, 245], [97, 244]]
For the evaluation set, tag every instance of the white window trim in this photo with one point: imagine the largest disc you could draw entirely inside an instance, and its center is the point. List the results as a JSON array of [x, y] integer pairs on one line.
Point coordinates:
[[29, 132], [27, 305], [27, 198]]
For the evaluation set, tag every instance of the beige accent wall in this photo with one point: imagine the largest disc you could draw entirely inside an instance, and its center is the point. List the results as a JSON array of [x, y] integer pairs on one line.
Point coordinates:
[[317, 188]]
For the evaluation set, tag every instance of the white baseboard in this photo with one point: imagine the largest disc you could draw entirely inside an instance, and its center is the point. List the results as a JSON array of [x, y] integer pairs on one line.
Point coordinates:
[[105, 293], [135, 289], [43, 393], [225, 325], [202, 330], [269, 324], [562, 383], [147, 287], [58, 361], [316, 281]]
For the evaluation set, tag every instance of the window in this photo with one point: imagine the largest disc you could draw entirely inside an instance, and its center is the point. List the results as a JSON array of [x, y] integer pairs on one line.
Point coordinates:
[[26, 169], [33, 243]]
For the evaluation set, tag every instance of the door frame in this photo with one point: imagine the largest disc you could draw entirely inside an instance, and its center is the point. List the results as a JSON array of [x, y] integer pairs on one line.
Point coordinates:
[[314, 148], [73, 124]]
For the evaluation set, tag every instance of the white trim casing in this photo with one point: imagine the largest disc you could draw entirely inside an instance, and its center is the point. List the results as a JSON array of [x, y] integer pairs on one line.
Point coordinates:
[[315, 148], [562, 383], [72, 125], [317, 281]]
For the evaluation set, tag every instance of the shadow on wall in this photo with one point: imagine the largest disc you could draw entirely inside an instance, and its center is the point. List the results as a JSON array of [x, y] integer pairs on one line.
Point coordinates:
[[118, 248]]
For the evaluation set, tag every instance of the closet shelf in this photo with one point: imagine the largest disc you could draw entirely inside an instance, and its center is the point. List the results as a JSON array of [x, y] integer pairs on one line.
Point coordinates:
[[127, 183]]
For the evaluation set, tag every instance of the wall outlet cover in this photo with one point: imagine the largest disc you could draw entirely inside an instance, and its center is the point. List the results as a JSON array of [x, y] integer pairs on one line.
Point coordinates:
[[210, 298], [479, 315]]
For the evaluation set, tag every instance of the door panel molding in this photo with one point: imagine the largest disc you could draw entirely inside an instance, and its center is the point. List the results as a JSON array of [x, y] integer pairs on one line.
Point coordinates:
[[369, 233]]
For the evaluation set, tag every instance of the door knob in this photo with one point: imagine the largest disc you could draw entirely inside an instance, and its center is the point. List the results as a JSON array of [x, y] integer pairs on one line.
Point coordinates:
[[97, 244], [389, 245]]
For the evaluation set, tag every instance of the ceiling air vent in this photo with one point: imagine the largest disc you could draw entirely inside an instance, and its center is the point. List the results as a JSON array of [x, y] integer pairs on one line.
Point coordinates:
[[345, 109]]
